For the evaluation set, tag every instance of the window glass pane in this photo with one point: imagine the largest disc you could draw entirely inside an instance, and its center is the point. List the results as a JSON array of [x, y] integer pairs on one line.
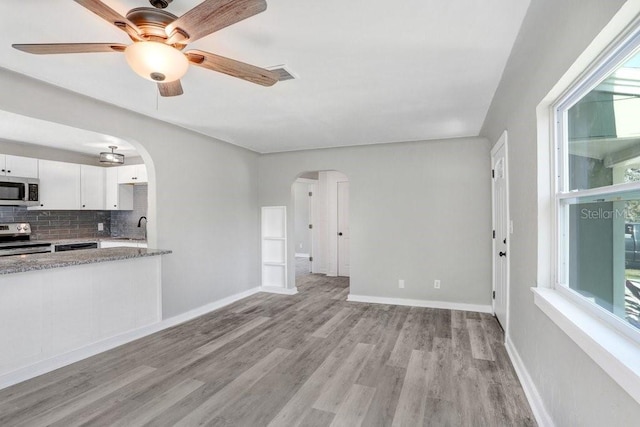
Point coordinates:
[[604, 252], [604, 131]]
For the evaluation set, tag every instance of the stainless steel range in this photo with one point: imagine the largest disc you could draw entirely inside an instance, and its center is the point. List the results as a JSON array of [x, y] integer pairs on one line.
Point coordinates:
[[15, 239]]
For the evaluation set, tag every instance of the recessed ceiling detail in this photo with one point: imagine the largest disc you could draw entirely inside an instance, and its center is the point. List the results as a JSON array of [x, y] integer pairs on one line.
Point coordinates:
[[23, 129]]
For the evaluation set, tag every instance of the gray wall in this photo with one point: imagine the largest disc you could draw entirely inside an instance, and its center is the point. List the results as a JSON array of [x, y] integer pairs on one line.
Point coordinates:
[[202, 192], [574, 389], [419, 211]]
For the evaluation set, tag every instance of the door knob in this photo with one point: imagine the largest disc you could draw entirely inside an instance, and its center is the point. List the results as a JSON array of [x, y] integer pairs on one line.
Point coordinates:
[[502, 254], [339, 234]]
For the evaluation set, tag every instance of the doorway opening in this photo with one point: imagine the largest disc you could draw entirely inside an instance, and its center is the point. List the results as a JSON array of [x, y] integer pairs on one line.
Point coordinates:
[[321, 232]]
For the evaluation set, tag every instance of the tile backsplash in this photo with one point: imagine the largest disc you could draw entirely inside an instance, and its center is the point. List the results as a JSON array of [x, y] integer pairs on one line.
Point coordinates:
[[125, 223], [80, 224], [59, 224]]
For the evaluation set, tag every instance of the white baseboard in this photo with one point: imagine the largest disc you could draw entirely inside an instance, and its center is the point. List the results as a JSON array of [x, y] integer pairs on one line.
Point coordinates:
[[302, 255], [196, 312], [68, 358], [278, 290], [422, 303], [535, 401]]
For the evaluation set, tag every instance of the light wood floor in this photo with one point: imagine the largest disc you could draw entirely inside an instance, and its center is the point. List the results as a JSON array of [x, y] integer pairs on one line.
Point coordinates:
[[312, 359]]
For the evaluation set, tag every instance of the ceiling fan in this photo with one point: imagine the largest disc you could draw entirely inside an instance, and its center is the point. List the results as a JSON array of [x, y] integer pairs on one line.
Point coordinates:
[[160, 37]]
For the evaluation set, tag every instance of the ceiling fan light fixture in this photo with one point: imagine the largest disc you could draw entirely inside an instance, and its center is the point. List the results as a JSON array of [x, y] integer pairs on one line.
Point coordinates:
[[156, 61], [111, 157]]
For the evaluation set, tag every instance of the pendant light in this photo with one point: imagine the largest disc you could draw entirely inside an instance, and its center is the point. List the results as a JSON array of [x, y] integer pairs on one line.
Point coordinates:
[[112, 158]]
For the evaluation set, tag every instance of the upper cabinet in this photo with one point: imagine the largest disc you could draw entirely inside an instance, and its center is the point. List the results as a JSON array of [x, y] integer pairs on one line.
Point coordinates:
[[23, 167], [132, 174], [70, 186], [59, 185], [118, 197], [92, 187]]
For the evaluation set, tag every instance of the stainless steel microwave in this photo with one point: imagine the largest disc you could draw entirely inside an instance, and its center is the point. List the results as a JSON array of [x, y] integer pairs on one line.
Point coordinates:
[[16, 191]]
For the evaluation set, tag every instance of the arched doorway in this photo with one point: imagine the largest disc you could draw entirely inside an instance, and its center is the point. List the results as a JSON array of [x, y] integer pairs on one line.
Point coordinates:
[[322, 230]]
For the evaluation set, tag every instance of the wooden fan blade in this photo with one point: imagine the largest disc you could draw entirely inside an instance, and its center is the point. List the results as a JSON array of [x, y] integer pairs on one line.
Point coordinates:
[[232, 67], [110, 15], [55, 48], [211, 16], [170, 89]]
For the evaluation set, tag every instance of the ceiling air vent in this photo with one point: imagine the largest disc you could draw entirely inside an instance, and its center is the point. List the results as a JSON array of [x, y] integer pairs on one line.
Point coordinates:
[[283, 73]]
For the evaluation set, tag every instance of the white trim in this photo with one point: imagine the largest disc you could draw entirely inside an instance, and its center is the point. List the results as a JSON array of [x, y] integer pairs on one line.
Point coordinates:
[[609, 189], [206, 309], [300, 255], [278, 290], [535, 401], [614, 322], [306, 181], [615, 353], [66, 359], [422, 303], [613, 33]]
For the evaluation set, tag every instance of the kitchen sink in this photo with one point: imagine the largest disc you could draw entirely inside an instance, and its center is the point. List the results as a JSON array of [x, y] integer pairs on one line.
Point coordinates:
[[136, 239]]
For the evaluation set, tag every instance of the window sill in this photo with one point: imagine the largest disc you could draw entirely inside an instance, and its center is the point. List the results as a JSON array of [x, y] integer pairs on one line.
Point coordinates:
[[616, 354]]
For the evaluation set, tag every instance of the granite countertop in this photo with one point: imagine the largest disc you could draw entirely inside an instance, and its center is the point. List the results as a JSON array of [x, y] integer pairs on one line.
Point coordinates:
[[89, 239], [33, 262]]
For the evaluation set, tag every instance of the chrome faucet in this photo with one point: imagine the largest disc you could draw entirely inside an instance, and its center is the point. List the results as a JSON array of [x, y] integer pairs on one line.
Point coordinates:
[[145, 225]]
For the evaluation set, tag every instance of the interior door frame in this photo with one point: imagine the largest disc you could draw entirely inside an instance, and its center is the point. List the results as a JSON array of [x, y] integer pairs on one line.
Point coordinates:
[[339, 253], [313, 190], [502, 142]]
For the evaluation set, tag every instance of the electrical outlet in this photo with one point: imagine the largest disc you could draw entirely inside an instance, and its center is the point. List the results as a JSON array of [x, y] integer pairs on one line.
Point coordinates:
[[100, 226], [436, 284], [401, 284]]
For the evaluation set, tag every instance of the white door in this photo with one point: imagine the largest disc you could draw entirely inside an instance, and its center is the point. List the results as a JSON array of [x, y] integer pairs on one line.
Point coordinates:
[[501, 227], [343, 228]]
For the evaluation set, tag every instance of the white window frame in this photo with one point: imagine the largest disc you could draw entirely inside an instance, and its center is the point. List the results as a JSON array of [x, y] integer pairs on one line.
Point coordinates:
[[592, 328], [613, 58]]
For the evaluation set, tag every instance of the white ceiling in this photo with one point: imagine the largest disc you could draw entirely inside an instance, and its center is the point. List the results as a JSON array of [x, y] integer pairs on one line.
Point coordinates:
[[369, 71]]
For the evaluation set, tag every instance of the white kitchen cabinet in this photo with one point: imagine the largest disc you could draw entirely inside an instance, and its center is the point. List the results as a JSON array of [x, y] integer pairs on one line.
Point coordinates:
[[92, 187], [23, 167], [118, 197], [132, 174], [59, 185]]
